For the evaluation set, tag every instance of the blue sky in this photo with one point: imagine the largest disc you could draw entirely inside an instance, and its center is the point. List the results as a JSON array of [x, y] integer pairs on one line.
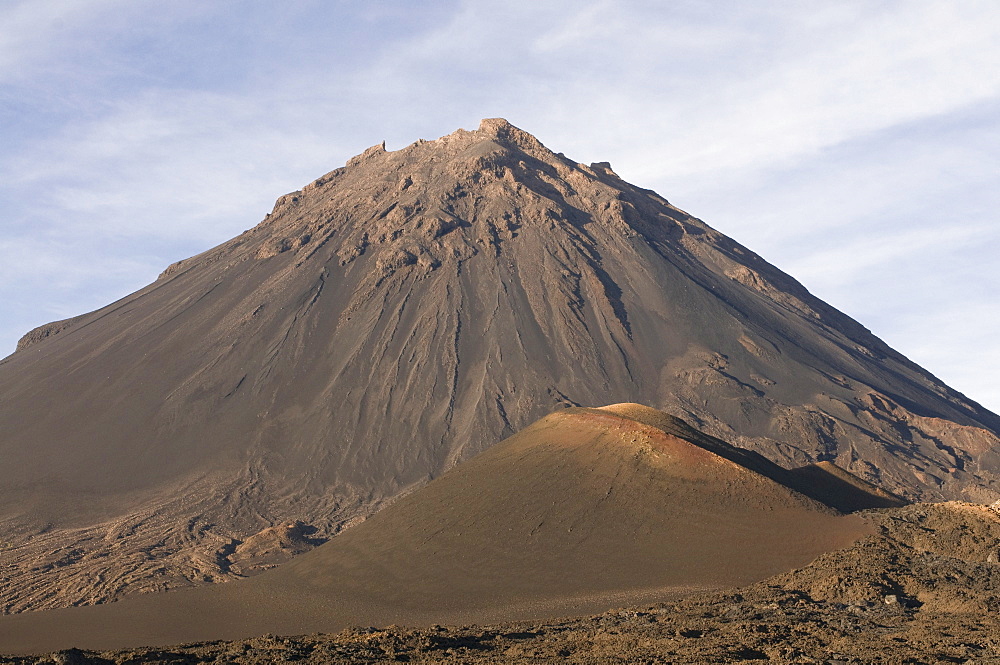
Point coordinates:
[[855, 145]]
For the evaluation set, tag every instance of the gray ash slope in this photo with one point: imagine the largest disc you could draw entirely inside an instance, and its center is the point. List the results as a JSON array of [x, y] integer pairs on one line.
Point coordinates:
[[399, 315]]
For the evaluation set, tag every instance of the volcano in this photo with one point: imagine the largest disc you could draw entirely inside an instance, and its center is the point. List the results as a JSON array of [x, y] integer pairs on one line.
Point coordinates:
[[400, 315], [583, 510]]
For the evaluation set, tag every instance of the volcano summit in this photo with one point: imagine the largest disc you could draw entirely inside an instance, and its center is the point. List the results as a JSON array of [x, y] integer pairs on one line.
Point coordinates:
[[401, 314]]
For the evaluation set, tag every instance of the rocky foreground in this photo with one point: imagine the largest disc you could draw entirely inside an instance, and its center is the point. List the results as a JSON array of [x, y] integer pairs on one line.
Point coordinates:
[[925, 588]]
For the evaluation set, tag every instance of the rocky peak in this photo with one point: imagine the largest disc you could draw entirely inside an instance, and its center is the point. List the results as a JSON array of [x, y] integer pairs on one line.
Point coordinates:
[[448, 199], [498, 129]]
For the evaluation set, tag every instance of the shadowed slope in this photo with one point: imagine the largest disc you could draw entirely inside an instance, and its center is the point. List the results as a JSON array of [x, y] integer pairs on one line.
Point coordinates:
[[584, 510], [825, 482], [401, 314], [835, 487]]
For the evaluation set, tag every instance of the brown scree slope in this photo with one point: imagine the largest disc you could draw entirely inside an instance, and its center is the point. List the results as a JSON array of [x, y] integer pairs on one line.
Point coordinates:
[[401, 314], [584, 510], [936, 563]]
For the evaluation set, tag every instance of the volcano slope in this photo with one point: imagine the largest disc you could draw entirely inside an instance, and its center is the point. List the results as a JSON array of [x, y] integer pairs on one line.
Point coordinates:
[[401, 314], [935, 563], [584, 510]]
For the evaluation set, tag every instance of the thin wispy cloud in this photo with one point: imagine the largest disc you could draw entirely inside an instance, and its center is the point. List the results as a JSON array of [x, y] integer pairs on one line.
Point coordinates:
[[36, 34], [847, 143]]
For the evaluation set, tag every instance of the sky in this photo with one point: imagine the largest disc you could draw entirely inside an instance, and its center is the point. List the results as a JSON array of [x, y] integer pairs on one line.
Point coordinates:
[[855, 145]]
